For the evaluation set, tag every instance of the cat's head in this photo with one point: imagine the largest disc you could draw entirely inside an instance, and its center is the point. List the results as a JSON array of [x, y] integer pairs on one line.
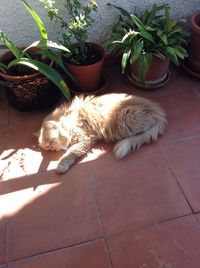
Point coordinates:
[[52, 136]]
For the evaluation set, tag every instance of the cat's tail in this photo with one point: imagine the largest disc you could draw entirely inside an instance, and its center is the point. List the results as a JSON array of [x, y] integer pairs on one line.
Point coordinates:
[[125, 146]]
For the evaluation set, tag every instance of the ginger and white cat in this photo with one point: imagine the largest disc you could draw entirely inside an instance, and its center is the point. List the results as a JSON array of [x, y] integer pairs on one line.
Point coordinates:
[[127, 120]]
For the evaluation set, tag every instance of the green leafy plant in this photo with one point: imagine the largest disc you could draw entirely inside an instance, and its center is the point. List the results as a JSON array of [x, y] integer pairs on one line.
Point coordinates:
[[140, 36], [75, 18], [22, 57]]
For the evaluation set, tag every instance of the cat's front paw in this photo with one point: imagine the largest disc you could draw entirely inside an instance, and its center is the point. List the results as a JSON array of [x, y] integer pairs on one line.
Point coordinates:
[[61, 168], [64, 164]]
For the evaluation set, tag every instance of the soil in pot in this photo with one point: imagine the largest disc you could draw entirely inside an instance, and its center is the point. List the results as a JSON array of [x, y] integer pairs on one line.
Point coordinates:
[[20, 70], [93, 55], [88, 74]]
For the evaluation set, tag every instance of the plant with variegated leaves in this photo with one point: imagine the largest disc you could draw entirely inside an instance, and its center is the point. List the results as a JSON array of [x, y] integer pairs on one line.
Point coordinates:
[[140, 36]]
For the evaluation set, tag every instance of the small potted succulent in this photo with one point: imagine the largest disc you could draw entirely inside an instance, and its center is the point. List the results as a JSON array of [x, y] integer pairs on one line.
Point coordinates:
[[85, 60], [148, 42], [27, 73]]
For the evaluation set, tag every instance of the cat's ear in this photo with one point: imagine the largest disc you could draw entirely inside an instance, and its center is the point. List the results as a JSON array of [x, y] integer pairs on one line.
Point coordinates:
[[37, 134], [50, 124]]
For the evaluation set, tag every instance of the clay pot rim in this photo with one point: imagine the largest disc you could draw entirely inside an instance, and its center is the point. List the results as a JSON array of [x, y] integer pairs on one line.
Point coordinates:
[[101, 48], [195, 27], [8, 77], [147, 86], [188, 69]]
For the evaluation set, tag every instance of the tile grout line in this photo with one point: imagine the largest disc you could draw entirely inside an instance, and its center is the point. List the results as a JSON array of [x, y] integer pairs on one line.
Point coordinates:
[[44, 253], [136, 229], [100, 219], [198, 222], [186, 138], [196, 92], [7, 235], [176, 179]]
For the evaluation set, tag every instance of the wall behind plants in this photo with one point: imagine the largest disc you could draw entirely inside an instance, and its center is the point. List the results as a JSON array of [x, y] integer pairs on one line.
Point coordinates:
[[19, 25]]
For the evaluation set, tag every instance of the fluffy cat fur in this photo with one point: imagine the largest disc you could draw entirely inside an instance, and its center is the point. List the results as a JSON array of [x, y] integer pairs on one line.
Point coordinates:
[[127, 120]]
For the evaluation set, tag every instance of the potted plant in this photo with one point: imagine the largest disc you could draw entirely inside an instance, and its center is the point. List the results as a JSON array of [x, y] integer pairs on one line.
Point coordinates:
[[148, 42], [194, 51], [85, 60], [27, 73]]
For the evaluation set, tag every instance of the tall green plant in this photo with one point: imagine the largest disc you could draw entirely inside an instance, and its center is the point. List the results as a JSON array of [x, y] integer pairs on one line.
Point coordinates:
[[23, 58], [140, 36], [75, 18]]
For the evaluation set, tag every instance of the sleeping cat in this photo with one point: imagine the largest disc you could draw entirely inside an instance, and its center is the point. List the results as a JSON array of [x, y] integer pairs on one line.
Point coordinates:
[[127, 120]]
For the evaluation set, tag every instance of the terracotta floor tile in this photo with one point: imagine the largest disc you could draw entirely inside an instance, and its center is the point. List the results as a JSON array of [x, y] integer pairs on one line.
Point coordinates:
[[28, 125], [170, 244], [3, 113], [3, 138], [2, 93], [178, 82], [20, 117], [198, 217], [183, 110], [3, 236], [3, 266], [90, 255], [184, 158], [135, 191], [22, 155], [48, 215], [47, 211]]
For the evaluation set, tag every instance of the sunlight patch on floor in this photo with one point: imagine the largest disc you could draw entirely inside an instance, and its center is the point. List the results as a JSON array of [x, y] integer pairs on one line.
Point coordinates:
[[12, 203], [93, 155], [18, 163]]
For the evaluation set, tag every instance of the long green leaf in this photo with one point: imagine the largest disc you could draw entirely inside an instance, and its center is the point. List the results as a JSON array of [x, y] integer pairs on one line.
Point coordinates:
[[10, 45], [122, 11], [3, 67], [172, 55], [125, 58], [152, 14], [58, 60], [138, 23], [126, 36], [38, 21], [137, 51], [47, 71], [163, 37], [159, 55], [49, 44], [167, 15], [147, 36], [182, 50], [145, 61], [180, 53]]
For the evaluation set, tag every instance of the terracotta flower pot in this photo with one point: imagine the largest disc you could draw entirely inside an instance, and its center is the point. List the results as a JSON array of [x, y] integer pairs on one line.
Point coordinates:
[[88, 77], [156, 73], [194, 54], [28, 92]]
